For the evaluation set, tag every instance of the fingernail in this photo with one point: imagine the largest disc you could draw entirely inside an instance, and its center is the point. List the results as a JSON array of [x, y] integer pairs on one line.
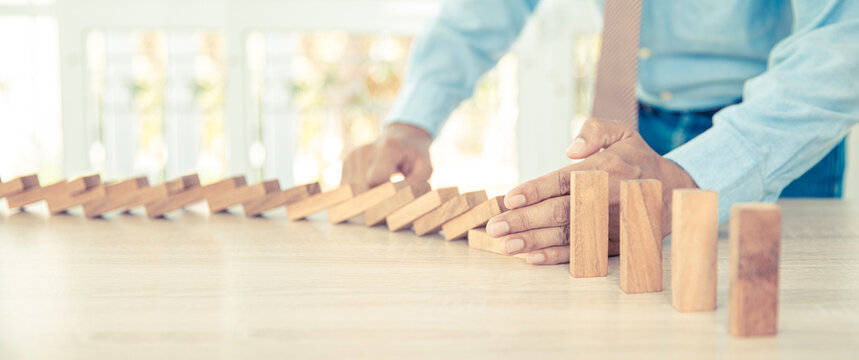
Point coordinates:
[[515, 201], [577, 146], [535, 258], [498, 228], [514, 245]]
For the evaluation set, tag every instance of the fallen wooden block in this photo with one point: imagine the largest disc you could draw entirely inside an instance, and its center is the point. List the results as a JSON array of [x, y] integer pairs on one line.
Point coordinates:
[[279, 198], [404, 217], [640, 236], [18, 185], [221, 202], [361, 202], [160, 208], [58, 189], [589, 224], [376, 214], [755, 238], [480, 240], [94, 190], [318, 202], [478, 216], [694, 246], [125, 195], [432, 221]]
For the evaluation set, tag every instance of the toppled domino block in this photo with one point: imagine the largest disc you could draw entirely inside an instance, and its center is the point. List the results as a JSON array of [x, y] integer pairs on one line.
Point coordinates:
[[220, 202], [694, 249], [361, 202], [589, 244], [19, 185], [480, 240], [476, 217], [432, 221], [58, 189], [376, 214], [303, 208], [279, 198], [94, 190], [117, 195], [640, 236], [755, 238], [159, 208], [404, 217]]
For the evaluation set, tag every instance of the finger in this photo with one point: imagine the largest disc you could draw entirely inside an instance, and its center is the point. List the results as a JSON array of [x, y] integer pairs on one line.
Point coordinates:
[[384, 165], [419, 172], [597, 134], [549, 256], [553, 212], [553, 184], [532, 240]]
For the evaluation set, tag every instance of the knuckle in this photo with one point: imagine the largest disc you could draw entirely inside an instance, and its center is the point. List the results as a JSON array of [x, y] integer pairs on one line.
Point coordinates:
[[523, 220], [565, 235], [561, 212]]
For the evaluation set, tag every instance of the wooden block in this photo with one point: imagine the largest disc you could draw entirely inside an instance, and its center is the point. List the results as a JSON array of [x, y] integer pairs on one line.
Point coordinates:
[[589, 224], [280, 198], [58, 189], [476, 217], [640, 236], [192, 194], [92, 189], [19, 185], [480, 240], [318, 202], [432, 221], [361, 202], [376, 214], [404, 217], [241, 195], [753, 293], [125, 195], [694, 246]]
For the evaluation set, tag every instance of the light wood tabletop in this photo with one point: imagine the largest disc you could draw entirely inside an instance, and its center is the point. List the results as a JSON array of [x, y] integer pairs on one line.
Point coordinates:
[[224, 286]]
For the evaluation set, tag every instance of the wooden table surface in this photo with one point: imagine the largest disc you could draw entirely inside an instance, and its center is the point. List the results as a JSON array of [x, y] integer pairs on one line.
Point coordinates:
[[229, 287]]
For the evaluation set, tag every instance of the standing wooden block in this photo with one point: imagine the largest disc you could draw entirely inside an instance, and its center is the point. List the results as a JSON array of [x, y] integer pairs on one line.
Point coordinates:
[[432, 221], [19, 185], [480, 240], [376, 214], [303, 208], [640, 236], [59, 189], [404, 217], [159, 208], [93, 189], [589, 224], [358, 204], [753, 293], [694, 246], [220, 202], [476, 217], [279, 198]]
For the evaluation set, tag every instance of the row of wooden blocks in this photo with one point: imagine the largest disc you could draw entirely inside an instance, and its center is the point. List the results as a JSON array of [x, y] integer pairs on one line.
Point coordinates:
[[754, 236]]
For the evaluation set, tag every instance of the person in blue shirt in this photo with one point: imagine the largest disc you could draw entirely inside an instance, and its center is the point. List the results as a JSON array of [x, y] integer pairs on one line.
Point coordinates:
[[749, 98]]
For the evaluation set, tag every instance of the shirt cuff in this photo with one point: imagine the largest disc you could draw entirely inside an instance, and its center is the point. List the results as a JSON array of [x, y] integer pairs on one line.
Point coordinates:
[[424, 105], [721, 160]]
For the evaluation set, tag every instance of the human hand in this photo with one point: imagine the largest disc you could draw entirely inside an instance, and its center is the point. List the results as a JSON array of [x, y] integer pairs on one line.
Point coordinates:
[[538, 222], [402, 148]]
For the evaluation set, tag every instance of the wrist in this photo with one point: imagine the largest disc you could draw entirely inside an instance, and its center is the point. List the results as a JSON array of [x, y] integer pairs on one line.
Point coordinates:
[[407, 132]]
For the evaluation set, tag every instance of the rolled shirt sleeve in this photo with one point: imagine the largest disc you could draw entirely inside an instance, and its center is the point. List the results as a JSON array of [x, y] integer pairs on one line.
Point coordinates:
[[467, 39], [791, 116]]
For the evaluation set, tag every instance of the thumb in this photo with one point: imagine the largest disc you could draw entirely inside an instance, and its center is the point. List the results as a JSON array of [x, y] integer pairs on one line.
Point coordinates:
[[597, 134], [383, 166]]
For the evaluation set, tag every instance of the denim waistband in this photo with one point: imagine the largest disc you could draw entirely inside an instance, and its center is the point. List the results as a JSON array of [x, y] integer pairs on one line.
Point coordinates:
[[660, 111]]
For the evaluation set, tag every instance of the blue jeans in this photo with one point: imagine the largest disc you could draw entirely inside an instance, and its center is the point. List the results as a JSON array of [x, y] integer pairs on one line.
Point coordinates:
[[665, 130]]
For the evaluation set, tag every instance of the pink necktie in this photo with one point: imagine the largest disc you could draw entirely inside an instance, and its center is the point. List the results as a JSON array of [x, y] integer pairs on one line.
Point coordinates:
[[617, 69]]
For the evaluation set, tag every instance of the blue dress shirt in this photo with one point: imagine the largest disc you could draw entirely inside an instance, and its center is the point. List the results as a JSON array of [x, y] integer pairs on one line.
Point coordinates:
[[795, 64]]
